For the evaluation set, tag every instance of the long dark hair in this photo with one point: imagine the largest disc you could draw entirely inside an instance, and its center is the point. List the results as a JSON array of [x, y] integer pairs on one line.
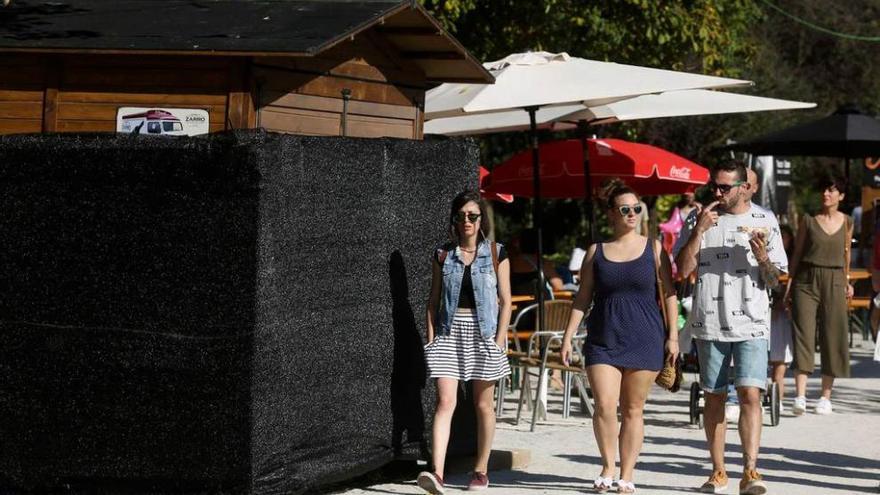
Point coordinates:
[[462, 199]]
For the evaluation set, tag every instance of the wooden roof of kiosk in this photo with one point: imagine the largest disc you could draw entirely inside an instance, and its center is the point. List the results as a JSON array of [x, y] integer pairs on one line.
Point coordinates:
[[284, 65]]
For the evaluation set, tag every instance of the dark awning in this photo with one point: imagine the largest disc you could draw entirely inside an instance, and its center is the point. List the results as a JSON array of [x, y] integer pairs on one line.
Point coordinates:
[[846, 134]]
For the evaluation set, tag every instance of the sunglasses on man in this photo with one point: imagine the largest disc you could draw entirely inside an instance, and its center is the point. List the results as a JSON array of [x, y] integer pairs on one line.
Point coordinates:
[[724, 188], [626, 209], [461, 216]]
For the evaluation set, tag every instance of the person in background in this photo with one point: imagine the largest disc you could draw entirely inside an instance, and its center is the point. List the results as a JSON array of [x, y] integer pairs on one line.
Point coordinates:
[[780, 326], [858, 258], [736, 251], [689, 203], [523, 270], [626, 339], [468, 313], [817, 292], [575, 261], [875, 282], [642, 225]]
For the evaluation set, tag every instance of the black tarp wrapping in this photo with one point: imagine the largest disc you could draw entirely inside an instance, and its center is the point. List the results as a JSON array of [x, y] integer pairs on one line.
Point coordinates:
[[239, 313]]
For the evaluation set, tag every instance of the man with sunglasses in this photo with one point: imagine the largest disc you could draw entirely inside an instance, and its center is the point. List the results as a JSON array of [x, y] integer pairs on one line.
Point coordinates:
[[735, 248], [690, 219]]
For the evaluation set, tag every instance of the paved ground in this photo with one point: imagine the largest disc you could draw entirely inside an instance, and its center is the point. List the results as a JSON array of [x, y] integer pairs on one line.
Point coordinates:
[[810, 454]]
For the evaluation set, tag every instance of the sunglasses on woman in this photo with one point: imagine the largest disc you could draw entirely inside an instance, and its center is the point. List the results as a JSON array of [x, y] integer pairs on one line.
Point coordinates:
[[461, 216], [724, 188], [625, 209]]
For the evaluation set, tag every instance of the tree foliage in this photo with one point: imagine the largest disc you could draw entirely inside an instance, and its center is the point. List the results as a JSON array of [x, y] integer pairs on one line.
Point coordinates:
[[702, 35], [787, 58]]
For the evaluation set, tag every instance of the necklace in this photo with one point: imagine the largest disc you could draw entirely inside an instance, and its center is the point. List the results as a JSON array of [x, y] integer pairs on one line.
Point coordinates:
[[474, 250]]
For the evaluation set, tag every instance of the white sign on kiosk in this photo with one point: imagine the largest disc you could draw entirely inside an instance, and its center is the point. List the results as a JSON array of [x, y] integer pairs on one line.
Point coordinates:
[[151, 121]]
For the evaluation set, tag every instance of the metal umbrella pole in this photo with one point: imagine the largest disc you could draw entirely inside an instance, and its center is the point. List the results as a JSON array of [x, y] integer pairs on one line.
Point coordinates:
[[536, 214], [584, 131], [539, 255]]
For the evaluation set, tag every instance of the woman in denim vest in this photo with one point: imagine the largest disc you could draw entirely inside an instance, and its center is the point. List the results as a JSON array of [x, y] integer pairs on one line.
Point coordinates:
[[468, 314]]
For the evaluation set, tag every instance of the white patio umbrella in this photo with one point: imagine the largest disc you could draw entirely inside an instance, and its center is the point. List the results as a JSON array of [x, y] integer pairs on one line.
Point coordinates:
[[668, 104], [533, 80], [549, 79]]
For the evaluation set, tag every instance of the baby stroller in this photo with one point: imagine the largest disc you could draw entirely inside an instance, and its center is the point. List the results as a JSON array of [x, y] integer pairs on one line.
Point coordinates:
[[771, 400]]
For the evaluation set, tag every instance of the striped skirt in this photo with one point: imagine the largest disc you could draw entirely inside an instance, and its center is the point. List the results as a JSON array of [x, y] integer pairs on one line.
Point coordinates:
[[464, 354]]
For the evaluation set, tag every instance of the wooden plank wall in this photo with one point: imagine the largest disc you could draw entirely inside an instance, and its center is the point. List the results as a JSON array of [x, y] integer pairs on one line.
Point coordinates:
[[82, 93], [91, 89], [21, 94], [304, 95]]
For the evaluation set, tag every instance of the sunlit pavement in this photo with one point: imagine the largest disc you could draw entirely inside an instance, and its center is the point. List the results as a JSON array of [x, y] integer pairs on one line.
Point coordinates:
[[810, 454]]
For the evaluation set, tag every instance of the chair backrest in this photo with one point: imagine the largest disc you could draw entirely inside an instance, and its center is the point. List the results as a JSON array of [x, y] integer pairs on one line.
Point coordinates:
[[556, 314], [522, 317]]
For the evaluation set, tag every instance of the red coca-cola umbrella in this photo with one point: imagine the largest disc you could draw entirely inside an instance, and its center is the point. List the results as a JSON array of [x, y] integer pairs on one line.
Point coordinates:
[[507, 198], [647, 169]]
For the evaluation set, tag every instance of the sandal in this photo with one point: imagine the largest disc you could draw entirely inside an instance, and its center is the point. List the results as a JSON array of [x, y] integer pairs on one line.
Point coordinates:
[[602, 485], [625, 486]]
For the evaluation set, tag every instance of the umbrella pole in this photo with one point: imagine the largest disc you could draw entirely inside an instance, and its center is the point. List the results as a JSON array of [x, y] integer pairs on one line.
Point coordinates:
[[584, 131], [536, 214]]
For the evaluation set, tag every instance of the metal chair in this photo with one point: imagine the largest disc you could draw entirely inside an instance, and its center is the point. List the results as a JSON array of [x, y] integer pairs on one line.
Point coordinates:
[[542, 353], [515, 332]]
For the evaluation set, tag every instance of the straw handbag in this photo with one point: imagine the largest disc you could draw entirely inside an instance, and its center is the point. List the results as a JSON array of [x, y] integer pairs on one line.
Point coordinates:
[[670, 376]]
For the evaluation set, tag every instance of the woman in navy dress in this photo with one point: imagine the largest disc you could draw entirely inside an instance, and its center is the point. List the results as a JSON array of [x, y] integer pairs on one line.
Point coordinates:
[[626, 338]]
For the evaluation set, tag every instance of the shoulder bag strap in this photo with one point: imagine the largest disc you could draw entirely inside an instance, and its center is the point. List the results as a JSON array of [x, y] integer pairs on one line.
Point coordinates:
[[660, 292], [847, 244], [494, 248]]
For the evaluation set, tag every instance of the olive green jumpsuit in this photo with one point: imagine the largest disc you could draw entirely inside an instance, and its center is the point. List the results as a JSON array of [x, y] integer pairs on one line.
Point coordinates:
[[818, 297]]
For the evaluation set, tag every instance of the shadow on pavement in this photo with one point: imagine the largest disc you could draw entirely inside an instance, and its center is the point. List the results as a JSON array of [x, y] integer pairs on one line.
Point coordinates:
[[842, 466]]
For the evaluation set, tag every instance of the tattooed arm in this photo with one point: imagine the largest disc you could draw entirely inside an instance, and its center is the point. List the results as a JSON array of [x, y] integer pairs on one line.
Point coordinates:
[[769, 273]]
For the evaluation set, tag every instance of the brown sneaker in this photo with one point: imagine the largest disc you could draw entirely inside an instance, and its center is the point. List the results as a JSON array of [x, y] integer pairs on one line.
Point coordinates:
[[751, 483], [431, 483], [479, 481], [717, 483]]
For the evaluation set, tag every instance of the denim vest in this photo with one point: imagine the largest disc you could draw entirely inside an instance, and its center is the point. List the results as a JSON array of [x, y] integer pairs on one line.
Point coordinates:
[[485, 290]]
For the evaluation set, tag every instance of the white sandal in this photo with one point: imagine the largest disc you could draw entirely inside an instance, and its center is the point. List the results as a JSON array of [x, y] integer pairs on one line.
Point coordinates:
[[625, 486], [602, 485]]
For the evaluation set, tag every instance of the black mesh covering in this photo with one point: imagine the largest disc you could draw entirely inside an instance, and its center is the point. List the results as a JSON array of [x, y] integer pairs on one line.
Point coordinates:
[[239, 313]]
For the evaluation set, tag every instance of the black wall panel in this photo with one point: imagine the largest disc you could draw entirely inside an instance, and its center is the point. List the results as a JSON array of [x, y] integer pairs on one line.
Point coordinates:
[[240, 312]]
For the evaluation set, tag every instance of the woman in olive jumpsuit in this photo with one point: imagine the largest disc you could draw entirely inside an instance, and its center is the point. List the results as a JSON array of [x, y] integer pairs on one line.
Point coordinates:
[[818, 291]]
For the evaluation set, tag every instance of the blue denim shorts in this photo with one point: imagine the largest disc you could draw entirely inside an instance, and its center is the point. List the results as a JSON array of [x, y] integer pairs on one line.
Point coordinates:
[[749, 364]]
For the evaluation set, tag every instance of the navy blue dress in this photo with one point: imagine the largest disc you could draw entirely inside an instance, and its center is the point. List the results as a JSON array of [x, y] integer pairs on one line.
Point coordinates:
[[625, 326]]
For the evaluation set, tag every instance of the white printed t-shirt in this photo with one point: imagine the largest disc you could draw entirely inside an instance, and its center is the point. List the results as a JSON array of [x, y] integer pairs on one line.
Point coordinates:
[[731, 303]]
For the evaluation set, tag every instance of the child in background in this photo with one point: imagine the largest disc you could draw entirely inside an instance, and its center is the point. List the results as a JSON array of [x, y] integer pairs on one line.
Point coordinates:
[[780, 326]]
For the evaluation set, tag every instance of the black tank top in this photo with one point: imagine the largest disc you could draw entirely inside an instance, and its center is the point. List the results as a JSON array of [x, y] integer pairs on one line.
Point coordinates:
[[466, 296]]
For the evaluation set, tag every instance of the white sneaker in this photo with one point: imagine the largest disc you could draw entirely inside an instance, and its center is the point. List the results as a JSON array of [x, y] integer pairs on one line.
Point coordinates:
[[823, 406], [800, 406], [781, 408], [731, 413]]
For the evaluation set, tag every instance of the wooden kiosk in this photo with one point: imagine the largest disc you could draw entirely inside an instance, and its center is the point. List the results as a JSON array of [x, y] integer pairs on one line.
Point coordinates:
[[314, 67]]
